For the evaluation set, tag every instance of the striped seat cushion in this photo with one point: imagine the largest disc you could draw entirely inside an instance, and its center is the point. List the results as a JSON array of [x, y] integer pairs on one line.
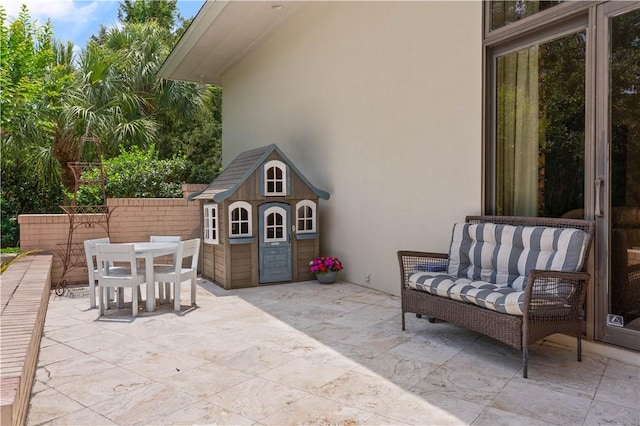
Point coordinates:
[[504, 254], [500, 298]]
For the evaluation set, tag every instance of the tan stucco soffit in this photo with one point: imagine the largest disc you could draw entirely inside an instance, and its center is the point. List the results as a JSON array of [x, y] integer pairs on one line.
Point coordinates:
[[221, 35]]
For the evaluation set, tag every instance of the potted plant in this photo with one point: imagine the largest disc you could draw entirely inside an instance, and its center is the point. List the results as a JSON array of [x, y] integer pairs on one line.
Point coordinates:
[[326, 268]]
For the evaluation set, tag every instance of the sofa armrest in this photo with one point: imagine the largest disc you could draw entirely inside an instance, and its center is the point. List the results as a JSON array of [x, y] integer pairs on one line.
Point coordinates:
[[416, 261], [555, 295]]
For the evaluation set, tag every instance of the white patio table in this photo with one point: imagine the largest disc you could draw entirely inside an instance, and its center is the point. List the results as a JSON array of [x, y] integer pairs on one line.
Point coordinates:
[[148, 251]]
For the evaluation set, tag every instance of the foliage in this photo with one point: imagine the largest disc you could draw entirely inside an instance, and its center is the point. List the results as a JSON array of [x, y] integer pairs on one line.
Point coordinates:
[[201, 139], [34, 72], [625, 104], [137, 173], [8, 225], [118, 93], [49, 100], [10, 250], [20, 194], [164, 12], [325, 264], [562, 118]]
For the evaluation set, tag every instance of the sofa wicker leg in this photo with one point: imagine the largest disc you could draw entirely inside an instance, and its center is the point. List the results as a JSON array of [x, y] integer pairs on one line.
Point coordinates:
[[525, 361], [402, 320]]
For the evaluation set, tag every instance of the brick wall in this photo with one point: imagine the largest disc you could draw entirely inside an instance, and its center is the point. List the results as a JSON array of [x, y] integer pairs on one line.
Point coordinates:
[[132, 219]]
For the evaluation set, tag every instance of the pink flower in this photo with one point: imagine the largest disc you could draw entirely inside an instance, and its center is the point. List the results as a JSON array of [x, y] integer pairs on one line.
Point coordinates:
[[325, 264]]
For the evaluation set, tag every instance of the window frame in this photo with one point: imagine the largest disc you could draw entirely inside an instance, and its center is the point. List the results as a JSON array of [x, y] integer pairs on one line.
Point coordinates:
[[283, 213], [546, 17], [266, 180], [312, 205], [241, 205], [211, 221], [539, 28]]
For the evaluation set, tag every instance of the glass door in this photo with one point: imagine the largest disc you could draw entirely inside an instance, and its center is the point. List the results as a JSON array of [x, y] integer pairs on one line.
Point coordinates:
[[617, 204], [539, 159]]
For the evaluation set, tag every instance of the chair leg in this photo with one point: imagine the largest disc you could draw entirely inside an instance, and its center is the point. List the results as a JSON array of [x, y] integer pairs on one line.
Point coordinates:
[[119, 297], [193, 292], [167, 292], [92, 294], [176, 296], [101, 299], [104, 295], [164, 292], [134, 302], [525, 361]]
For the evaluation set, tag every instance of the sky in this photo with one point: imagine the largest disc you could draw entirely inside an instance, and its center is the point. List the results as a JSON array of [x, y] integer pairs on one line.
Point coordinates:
[[78, 20]]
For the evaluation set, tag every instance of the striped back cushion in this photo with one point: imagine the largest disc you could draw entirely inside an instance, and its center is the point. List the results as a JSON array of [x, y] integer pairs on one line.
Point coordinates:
[[504, 254]]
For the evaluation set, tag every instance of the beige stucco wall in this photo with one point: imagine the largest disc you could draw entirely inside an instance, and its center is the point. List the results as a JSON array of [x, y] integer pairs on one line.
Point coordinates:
[[380, 104]]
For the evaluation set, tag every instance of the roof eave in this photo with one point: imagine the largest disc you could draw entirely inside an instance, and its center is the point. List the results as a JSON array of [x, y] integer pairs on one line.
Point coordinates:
[[221, 35], [205, 17]]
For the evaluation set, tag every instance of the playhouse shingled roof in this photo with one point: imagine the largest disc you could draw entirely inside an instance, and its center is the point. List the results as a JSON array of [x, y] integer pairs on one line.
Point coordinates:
[[241, 168]]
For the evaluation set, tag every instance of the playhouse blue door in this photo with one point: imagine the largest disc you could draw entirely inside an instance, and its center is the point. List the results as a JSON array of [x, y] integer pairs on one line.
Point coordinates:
[[275, 244]]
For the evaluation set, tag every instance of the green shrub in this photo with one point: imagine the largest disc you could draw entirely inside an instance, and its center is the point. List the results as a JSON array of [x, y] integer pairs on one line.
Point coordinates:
[[8, 224], [135, 173]]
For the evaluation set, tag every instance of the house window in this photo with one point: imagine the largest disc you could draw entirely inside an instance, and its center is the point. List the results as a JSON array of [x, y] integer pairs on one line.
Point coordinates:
[[240, 220], [506, 12], [275, 178], [211, 223], [306, 217], [536, 135]]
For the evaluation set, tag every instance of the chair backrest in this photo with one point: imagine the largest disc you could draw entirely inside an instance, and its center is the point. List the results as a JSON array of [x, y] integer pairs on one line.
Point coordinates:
[[90, 252], [191, 248], [110, 253], [165, 239]]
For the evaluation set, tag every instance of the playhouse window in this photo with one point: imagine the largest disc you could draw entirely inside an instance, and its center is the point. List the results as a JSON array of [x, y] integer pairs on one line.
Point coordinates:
[[275, 224], [306, 217], [275, 178], [240, 219], [211, 223]]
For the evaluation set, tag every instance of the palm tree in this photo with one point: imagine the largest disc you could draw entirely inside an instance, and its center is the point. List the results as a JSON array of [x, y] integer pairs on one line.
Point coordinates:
[[118, 95], [111, 88]]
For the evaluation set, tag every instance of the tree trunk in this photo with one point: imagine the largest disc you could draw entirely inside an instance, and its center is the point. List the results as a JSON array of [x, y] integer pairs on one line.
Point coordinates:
[[65, 150]]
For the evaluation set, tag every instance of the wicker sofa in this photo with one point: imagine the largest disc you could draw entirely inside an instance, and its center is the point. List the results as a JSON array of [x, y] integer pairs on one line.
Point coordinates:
[[515, 279]]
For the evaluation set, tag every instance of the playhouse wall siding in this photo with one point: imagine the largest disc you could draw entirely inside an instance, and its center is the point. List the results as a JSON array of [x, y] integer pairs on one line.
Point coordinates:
[[242, 265], [379, 103], [213, 263], [306, 250]]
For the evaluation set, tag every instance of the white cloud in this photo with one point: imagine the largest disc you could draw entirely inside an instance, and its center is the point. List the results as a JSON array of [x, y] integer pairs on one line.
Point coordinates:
[[57, 10], [74, 20]]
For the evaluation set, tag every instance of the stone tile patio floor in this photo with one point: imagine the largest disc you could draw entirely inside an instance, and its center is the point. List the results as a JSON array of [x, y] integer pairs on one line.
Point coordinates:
[[307, 353]]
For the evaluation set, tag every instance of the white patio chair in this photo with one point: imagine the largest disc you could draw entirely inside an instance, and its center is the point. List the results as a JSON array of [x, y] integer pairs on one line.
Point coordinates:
[[164, 294], [176, 273], [92, 268], [121, 277]]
